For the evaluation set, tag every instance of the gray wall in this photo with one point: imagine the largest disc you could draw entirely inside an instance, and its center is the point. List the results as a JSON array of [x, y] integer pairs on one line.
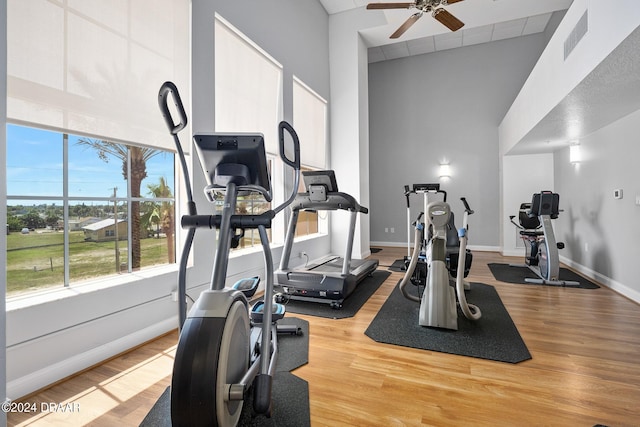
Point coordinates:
[[443, 106], [601, 233]]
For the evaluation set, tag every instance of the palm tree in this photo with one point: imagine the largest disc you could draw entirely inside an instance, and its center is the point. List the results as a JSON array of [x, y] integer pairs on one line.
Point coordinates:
[[139, 157], [164, 213]]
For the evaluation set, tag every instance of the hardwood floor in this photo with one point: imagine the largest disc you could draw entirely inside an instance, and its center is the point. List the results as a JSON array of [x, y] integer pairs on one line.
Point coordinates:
[[585, 369]]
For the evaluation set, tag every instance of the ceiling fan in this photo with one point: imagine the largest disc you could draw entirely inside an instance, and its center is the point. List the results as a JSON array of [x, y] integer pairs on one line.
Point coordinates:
[[439, 13]]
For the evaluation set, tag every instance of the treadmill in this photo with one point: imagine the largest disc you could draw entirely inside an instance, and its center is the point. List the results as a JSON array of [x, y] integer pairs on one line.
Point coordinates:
[[331, 279]]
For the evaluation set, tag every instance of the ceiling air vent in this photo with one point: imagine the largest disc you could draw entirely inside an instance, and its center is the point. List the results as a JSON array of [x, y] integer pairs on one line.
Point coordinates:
[[576, 35]]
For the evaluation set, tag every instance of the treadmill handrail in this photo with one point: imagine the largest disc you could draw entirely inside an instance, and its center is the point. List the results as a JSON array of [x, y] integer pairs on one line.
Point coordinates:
[[334, 201]]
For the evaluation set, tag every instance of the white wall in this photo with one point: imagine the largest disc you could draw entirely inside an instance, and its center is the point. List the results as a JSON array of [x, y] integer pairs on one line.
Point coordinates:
[[349, 121], [601, 233], [553, 78]]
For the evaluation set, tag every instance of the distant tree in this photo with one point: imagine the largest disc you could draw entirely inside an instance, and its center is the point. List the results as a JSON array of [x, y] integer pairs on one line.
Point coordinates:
[[15, 223], [164, 214], [51, 220], [139, 158], [33, 220], [79, 211]]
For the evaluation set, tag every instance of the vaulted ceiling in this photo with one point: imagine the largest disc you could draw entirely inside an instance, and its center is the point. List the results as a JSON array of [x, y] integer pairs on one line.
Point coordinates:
[[485, 21]]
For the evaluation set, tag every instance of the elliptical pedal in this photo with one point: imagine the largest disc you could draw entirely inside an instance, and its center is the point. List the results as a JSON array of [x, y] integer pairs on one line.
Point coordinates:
[[278, 311], [247, 286]]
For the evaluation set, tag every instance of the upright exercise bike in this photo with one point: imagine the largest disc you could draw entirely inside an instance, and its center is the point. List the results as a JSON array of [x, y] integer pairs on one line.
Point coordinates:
[[438, 306], [541, 248], [227, 350]]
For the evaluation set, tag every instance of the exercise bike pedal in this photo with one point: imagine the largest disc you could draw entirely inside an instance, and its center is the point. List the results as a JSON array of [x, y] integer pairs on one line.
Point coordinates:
[[247, 286], [257, 312]]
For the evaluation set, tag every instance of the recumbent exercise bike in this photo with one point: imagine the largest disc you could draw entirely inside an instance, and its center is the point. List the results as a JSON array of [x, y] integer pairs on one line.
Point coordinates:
[[536, 231]]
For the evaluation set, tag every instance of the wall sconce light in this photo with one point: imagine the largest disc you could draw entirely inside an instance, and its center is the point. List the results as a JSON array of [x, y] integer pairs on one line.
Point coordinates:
[[574, 153], [444, 171]]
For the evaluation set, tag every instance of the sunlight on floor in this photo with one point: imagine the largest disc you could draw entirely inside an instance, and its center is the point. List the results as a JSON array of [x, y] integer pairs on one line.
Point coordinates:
[[88, 405]]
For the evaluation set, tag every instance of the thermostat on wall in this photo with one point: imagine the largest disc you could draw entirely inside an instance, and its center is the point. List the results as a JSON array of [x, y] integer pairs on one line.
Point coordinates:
[[617, 194]]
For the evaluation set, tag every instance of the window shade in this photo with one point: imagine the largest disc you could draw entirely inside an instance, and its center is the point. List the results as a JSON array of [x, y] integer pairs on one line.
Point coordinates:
[[94, 67], [310, 122], [248, 86]]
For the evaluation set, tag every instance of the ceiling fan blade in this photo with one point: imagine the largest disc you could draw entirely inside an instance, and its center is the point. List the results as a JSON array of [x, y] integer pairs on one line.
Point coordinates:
[[390, 5], [405, 26], [447, 19], [451, 1]]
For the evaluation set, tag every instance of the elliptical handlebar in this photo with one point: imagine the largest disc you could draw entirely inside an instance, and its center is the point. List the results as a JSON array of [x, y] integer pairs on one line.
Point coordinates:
[[294, 164], [407, 194], [467, 208], [163, 97], [470, 311], [417, 221]]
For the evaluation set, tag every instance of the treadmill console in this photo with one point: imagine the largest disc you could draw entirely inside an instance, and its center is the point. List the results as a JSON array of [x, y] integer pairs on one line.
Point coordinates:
[[319, 183], [424, 188]]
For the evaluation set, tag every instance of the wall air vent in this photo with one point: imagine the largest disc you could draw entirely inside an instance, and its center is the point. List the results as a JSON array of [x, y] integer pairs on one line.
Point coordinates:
[[576, 35]]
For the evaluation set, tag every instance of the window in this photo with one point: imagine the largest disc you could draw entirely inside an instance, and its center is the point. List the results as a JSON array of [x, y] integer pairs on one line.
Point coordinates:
[[248, 92], [310, 122], [92, 208], [87, 163]]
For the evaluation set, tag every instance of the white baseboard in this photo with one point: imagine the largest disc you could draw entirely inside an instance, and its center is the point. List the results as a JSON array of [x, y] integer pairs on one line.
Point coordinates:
[[479, 248], [482, 248], [389, 244], [513, 252], [620, 288], [44, 377]]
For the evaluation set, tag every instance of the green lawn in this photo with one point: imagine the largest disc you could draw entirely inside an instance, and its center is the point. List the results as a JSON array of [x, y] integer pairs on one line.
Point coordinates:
[[36, 260]]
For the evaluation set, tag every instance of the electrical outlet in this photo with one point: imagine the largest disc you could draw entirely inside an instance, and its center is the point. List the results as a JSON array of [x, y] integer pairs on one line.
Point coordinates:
[[174, 296], [386, 229], [393, 230]]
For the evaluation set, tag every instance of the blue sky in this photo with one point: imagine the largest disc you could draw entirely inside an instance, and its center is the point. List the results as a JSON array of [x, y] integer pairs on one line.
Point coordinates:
[[35, 165]]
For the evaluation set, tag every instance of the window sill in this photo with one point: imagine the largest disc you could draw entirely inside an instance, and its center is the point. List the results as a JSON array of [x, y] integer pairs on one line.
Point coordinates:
[[308, 237], [81, 288], [54, 294]]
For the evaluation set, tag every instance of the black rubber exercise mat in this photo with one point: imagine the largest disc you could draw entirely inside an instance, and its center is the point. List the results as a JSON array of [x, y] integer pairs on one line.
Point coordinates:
[[494, 336], [398, 266], [290, 393], [350, 306], [517, 274]]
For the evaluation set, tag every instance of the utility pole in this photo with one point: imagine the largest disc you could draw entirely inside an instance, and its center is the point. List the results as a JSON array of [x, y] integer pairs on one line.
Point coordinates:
[[115, 218]]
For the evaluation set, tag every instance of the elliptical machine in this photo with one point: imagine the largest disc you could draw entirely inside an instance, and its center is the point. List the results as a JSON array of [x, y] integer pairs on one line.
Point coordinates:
[[438, 300], [227, 350], [536, 231]]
